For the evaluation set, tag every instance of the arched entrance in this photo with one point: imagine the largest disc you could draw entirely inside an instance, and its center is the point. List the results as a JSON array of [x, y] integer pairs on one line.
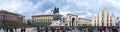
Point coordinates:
[[73, 20]]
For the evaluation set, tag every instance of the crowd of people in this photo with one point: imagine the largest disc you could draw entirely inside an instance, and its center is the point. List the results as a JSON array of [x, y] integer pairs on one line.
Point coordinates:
[[85, 29], [103, 29], [6, 29], [64, 29]]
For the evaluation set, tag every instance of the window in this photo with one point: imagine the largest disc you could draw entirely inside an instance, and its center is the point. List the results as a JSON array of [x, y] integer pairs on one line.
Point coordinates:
[[110, 24], [102, 24], [95, 24], [107, 24]]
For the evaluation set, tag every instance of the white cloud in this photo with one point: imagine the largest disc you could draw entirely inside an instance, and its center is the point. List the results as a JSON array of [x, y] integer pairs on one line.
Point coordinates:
[[65, 10], [87, 7], [82, 16], [89, 14], [11, 6], [48, 11], [113, 3], [19, 6]]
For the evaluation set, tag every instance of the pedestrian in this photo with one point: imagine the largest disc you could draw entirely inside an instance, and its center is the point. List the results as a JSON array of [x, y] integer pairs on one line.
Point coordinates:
[[104, 30], [114, 30], [80, 29], [84, 30], [38, 29], [100, 29], [90, 29], [0, 28], [11, 30], [24, 29], [15, 29], [61, 30], [110, 29], [7, 30]]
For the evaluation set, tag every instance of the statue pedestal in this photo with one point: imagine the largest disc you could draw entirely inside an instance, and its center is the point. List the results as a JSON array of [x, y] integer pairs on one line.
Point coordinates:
[[57, 23]]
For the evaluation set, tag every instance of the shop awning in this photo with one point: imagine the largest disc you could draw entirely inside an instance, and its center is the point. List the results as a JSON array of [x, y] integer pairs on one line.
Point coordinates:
[[42, 24]]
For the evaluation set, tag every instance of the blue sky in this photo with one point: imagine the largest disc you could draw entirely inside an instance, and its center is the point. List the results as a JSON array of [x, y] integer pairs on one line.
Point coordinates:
[[83, 8]]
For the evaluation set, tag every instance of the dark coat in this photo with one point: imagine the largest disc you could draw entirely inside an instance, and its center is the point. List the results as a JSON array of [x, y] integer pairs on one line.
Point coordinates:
[[11, 30], [90, 30], [115, 30]]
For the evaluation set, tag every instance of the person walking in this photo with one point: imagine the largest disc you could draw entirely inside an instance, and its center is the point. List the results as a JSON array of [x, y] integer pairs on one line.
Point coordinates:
[[15, 29], [90, 29], [38, 29], [114, 29], [11, 30], [24, 29], [84, 29], [7, 29], [104, 30]]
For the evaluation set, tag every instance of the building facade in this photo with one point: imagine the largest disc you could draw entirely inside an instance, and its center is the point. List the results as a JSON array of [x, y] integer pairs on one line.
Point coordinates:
[[74, 20], [69, 20], [48, 18], [103, 18], [9, 17], [84, 22]]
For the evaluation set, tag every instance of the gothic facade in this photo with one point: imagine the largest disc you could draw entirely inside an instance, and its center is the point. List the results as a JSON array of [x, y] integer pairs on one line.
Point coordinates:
[[103, 18]]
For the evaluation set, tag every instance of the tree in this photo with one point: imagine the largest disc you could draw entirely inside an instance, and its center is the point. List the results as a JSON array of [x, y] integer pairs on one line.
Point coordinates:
[[12, 25], [29, 23]]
